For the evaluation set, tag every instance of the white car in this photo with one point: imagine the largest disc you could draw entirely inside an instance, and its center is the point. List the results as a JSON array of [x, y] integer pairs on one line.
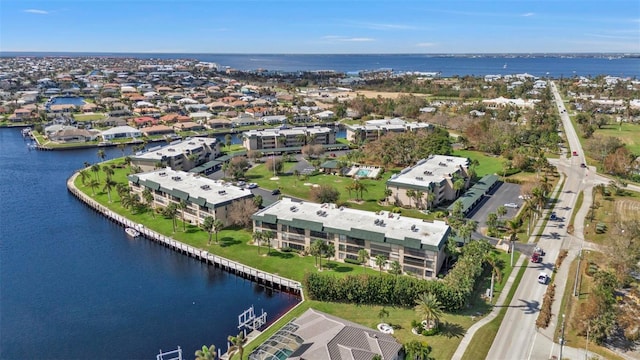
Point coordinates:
[[252, 186], [511, 205], [543, 278]]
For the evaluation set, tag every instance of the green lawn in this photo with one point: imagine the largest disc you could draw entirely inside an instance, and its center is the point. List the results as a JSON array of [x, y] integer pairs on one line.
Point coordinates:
[[487, 164], [88, 117], [628, 133]]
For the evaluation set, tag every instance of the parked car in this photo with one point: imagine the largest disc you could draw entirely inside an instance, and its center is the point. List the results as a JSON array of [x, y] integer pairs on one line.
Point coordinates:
[[275, 192], [575, 153], [511, 205], [583, 165], [536, 258], [543, 278], [538, 250], [553, 217], [252, 186]]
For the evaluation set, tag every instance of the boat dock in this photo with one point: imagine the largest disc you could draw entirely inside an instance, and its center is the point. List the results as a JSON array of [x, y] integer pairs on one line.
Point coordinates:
[[247, 272]]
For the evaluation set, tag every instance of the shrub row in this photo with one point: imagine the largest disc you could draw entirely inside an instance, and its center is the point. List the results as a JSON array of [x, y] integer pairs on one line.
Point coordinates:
[[453, 292], [545, 311], [563, 254]]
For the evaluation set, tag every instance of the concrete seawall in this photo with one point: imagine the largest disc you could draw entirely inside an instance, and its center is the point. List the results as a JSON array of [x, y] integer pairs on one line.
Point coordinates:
[[247, 272]]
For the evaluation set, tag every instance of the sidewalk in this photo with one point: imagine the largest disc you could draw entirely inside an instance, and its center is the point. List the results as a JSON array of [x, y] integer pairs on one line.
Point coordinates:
[[494, 312]]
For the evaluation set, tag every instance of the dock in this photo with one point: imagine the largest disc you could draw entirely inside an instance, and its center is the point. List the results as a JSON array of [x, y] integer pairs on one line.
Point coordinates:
[[247, 272]]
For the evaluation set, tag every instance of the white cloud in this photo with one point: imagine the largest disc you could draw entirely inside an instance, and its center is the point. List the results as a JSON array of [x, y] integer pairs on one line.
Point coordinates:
[[347, 39], [425, 44], [381, 26], [528, 14], [36, 11]]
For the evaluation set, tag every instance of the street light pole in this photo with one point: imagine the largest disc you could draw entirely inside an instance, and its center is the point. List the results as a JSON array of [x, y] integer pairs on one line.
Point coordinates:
[[562, 338]]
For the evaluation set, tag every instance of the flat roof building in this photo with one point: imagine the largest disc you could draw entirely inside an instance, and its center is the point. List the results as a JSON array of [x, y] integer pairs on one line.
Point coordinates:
[[417, 245], [204, 197], [374, 129], [270, 139], [178, 155], [436, 174]]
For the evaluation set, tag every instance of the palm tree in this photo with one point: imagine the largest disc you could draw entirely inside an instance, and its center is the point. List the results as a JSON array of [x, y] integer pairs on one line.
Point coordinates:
[[330, 251], [147, 196], [93, 184], [84, 175], [429, 308], [416, 350], [381, 260], [410, 193], [122, 147], [217, 226], [207, 225], [363, 256], [96, 169], [206, 353], [108, 171], [108, 185], [363, 189], [418, 196], [458, 185], [171, 211], [513, 226], [317, 249], [431, 197], [257, 238], [493, 261], [396, 268], [268, 235], [227, 140], [237, 344], [387, 192], [182, 206], [501, 211]]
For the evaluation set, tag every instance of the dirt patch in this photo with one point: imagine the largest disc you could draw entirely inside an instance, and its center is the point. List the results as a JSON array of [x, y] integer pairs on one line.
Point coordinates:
[[628, 209]]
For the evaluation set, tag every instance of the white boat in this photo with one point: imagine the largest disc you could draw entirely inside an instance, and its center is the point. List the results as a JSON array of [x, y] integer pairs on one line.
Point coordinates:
[[131, 232]]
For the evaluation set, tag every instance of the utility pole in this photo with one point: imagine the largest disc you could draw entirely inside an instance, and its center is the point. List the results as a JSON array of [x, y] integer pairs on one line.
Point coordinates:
[[586, 346], [562, 338]]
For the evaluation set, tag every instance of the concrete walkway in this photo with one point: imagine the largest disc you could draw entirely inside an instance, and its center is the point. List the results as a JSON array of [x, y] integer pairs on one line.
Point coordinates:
[[494, 312]]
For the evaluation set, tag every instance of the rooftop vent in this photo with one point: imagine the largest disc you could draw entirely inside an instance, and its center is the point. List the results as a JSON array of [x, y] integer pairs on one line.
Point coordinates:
[[191, 143], [205, 187], [449, 160], [176, 178], [162, 173], [413, 227], [293, 208], [442, 164], [222, 192]]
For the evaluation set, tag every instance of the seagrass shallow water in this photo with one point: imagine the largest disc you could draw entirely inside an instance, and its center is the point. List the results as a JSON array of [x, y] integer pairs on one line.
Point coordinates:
[[73, 286]]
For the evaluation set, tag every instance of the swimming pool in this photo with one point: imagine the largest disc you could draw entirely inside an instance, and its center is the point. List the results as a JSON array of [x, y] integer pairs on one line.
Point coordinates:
[[363, 173], [67, 100]]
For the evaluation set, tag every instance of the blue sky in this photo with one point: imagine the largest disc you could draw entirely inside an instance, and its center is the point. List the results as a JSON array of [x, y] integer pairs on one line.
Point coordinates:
[[329, 26]]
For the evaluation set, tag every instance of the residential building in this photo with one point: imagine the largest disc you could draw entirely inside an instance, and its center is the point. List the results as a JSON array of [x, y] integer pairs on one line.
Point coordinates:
[[204, 197], [121, 132], [416, 244], [436, 174], [374, 129], [320, 336], [287, 138], [179, 155]]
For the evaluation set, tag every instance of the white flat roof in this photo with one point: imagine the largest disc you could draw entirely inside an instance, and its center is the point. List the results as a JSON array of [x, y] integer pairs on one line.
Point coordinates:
[[433, 169], [396, 226], [213, 191], [177, 147], [287, 132]]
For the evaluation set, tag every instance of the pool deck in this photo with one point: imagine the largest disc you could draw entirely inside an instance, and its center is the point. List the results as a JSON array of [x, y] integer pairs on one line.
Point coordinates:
[[372, 172]]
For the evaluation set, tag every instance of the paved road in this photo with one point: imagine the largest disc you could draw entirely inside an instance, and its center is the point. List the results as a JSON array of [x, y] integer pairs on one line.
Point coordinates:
[[518, 337]]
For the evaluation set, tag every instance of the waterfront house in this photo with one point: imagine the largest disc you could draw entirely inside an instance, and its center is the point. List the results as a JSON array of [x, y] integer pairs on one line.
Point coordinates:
[[416, 244], [121, 132], [204, 197], [188, 126], [73, 135], [179, 155], [157, 130], [436, 174], [320, 336]]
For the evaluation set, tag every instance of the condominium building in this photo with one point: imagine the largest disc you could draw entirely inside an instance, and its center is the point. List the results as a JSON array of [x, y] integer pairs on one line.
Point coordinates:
[[294, 138], [178, 155], [374, 129], [436, 174], [204, 197], [416, 244]]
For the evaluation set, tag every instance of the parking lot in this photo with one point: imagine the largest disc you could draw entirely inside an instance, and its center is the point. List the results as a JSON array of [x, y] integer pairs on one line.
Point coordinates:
[[503, 194]]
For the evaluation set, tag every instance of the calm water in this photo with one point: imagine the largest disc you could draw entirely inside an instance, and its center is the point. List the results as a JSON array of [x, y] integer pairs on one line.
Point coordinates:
[[553, 65], [73, 286], [63, 100]]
